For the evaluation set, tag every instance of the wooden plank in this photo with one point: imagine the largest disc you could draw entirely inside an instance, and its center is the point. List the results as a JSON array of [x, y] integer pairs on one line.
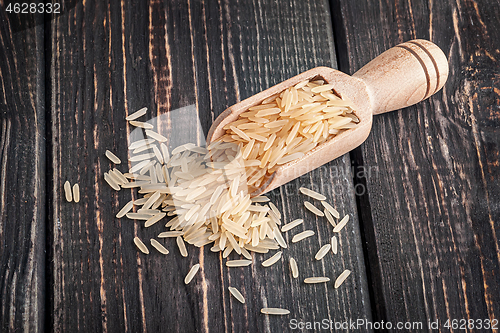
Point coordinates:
[[187, 62], [431, 228], [22, 170]]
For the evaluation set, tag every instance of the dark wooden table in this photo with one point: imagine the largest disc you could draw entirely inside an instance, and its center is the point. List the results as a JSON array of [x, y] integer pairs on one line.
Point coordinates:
[[423, 242]]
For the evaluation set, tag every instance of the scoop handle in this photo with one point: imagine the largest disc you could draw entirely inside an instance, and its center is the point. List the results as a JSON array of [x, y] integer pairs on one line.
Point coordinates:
[[404, 75]]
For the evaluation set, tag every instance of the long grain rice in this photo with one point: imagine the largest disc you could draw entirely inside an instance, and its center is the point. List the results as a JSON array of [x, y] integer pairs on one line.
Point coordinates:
[[67, 191], [291, 225], [274, 311], [236, 293], [332, 210], [322, 251], [157, 245], [318, 279], [128, 206], [245, 253], [76, 193], [192, 272], [279, 238], [312, 194], [342, 278], [137, 114], [275, 210], [155, 218], [182, 246], [329, 217], [238, 263], [112, 157], [166, 234], [313, 208], [341, 224], [260, 198], [140, 245], [140, 124], [334, 245], [302, 235], [272, 260], [157, 136], [294, 268]]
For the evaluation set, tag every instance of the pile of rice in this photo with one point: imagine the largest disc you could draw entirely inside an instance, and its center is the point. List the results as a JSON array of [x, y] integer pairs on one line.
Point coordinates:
[[207, 190]]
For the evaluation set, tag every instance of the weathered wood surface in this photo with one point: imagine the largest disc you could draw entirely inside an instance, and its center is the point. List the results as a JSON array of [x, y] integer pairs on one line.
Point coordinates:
[[427, 200], [22, 173], [187, 62], [431, 211]]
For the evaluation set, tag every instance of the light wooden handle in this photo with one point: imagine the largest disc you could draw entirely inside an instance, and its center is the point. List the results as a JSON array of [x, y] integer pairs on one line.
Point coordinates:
[[404, 75]]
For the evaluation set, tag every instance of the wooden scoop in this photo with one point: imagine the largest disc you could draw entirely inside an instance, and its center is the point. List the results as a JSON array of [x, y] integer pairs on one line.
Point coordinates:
[[401, 76]]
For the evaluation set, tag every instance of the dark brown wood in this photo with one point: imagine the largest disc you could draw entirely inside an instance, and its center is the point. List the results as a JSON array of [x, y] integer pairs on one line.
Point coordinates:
[[187, 62], [22, 173], [430, 214]]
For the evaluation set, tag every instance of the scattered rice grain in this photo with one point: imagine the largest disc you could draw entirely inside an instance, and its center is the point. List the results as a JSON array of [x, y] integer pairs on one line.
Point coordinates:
[[322, 251], [313, 208], [312, 194], [140, 245], [136, 114], [192, 273], [67, 191], [291, 225], [112, 157], [294, 268], [302, 235], [319, 279], [236, 293], [76, 193], [271, 261], [238, 263], [157, 245], [274, 311], [341, 224], [342, 278]]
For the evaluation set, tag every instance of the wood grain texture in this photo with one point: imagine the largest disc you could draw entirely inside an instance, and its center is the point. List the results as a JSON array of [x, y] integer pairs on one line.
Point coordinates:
[[432, 225], [187, 62], [22, 173]]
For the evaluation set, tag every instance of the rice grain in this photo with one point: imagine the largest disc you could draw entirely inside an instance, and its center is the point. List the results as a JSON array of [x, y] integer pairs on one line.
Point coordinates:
[[140, 124], [342, 278], [182, 246], [192, 272], [312, 194], [329, 217], [274, 311], [332, 210], [291, 225], [128, 206], [67, 191], [319, 279], [236, 293], [140, 245], [341, 224], [322, 251], [313, 208], [76, 192], [112, 157], [302, 235], [157, 245], [137, 114], [294, 268], [334, 245], [238, 263], [272, 260]]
